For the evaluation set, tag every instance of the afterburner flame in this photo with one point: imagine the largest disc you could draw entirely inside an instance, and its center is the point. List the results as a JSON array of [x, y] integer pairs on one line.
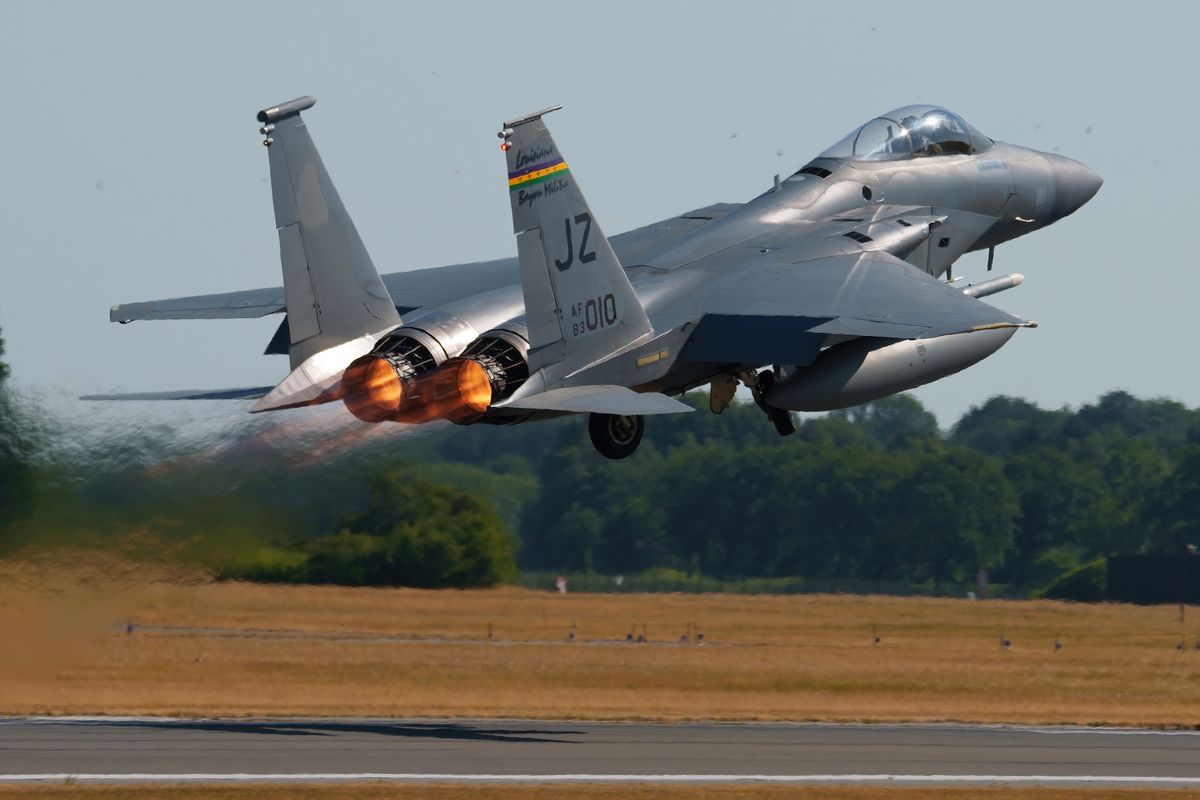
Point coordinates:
[[373, 391], [474, 387], [459, 390]]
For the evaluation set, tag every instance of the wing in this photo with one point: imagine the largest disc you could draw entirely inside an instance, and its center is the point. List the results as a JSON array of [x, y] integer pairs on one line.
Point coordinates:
[[418, 288], [781, 312]]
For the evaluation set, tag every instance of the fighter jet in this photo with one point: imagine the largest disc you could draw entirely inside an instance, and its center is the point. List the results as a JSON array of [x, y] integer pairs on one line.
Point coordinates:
[[830, 289]]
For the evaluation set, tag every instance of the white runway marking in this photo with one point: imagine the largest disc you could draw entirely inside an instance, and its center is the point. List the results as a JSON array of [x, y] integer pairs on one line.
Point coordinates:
[[400, 777]]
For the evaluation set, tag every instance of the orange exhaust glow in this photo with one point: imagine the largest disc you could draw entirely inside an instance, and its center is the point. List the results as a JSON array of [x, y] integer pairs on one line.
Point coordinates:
[[372, 390], [459, 390], [466, 390]]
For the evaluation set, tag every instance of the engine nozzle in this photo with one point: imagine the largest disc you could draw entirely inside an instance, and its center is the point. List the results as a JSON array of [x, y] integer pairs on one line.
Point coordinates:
[[461, 390], [377, 388], [373, 388]]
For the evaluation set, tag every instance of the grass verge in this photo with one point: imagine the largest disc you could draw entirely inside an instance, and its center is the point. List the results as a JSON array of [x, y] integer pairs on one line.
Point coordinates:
[[203, 648]]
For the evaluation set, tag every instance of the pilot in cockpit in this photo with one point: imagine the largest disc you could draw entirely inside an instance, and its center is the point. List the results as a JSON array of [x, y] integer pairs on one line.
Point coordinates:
[[937, 133], [922, 144]]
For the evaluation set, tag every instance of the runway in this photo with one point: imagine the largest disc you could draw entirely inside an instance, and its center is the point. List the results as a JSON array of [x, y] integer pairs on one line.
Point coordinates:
[[215, 750]]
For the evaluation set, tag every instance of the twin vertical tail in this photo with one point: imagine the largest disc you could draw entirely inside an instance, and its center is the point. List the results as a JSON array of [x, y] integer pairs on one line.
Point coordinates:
[[579, 305]]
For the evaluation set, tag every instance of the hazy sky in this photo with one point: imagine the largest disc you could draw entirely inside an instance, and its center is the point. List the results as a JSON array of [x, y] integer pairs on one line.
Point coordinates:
[[132, 168]]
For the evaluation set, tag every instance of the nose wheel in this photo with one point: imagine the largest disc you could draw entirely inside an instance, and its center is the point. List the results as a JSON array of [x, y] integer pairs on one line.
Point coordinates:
[[614, 435]]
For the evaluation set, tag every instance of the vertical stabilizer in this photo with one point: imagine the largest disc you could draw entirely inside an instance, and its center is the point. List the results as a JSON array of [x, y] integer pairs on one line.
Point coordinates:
[[333, 293], [579, 305]]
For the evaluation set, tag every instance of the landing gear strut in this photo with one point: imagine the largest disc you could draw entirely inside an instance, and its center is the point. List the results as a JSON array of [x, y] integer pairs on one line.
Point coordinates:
[[779, 417], [616, 436]]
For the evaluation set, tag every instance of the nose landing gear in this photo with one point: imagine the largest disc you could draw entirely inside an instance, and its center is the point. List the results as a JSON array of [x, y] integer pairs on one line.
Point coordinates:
[[616, 436]]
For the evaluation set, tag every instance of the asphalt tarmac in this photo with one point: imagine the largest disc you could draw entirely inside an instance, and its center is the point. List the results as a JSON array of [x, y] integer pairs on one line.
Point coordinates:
[[213, 750]]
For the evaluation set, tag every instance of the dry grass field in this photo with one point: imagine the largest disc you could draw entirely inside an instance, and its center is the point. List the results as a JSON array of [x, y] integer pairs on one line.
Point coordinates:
[[203, 648], [358, 791]]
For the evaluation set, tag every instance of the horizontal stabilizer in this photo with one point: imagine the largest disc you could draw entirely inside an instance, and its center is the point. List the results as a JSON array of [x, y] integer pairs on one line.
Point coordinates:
[[298, 390], [318, 380], [230, 305], [248, 393], [599, 400]]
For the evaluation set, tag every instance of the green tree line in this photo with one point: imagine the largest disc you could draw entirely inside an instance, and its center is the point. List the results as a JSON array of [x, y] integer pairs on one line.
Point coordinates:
[[16, 473], [875, 493], [1016, 493]]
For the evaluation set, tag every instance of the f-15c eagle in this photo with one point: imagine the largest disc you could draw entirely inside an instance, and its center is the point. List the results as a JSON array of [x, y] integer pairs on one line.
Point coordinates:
[[823, 292]]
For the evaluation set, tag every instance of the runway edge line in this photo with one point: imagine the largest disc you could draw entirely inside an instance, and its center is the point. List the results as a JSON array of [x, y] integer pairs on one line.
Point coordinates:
[[416, 777]]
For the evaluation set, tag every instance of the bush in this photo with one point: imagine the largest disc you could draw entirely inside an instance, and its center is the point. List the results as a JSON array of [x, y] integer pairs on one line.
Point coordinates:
[[268, 565], [413, 532], [1084, 584]]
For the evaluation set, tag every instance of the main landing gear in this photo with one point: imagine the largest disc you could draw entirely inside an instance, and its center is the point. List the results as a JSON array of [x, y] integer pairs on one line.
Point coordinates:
[[614, 435], [617, 436], [780, 418]]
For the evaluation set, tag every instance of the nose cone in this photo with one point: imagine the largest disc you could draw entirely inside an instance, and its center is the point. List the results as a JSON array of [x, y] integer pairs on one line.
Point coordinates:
[[1074, 185]]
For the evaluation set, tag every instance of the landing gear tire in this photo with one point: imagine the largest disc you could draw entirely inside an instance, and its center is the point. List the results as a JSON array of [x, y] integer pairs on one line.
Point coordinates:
[[782, 421], [615, 436], [779, 417]]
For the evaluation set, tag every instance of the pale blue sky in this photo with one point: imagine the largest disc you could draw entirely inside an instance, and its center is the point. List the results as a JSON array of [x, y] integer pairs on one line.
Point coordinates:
[[132, 168]]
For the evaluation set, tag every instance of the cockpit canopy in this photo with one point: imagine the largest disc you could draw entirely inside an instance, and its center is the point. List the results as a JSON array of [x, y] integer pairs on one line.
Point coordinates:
[[910, 132]]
